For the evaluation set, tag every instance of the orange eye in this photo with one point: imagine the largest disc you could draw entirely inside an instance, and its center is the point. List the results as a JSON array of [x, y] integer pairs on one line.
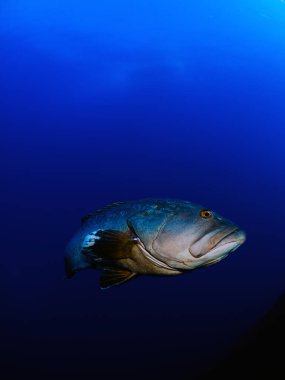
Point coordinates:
[[205, 214]]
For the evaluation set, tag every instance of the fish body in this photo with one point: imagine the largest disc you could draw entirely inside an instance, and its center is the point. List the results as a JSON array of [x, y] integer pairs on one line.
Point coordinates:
[[150, 237]]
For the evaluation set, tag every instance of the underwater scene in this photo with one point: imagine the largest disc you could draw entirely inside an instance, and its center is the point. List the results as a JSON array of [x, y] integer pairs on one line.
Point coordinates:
[[143, 146]]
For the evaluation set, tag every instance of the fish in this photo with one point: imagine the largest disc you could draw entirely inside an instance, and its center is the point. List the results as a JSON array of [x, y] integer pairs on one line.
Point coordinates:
[[157, 237]]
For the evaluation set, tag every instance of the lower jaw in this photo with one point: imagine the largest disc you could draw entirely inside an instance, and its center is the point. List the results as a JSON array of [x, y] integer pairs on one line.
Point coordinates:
[[215, 261], [224, 249], [222, 255]]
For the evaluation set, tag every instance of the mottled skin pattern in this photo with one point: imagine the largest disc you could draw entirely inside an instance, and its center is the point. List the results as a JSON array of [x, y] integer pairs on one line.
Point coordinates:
[[164, 237]]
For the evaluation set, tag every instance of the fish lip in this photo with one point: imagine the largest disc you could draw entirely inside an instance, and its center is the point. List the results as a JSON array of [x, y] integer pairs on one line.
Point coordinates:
[[237, 241], [220, 242]]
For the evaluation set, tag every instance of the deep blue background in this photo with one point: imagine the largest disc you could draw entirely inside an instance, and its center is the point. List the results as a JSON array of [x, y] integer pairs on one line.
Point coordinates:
[[104, 101]]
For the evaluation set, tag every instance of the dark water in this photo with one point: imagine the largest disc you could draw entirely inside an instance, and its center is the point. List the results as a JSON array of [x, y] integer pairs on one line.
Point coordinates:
[[258, 352], [111, 101]]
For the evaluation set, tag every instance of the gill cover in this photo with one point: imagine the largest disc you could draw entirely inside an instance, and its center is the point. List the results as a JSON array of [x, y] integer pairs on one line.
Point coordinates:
[[167, 233], [147, 225]]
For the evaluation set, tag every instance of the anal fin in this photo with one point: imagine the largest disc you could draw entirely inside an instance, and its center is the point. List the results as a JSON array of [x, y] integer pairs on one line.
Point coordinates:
[[112, 277]]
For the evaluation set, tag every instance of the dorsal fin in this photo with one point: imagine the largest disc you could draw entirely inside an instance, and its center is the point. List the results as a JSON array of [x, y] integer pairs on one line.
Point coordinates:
[[103, 209]]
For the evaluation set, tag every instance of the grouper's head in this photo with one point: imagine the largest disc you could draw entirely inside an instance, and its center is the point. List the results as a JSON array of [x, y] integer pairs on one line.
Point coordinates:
[[187, 236]]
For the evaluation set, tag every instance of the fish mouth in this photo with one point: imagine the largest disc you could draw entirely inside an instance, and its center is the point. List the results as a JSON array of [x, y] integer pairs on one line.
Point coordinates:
[[228, 243], [225, 239], [218, 243]]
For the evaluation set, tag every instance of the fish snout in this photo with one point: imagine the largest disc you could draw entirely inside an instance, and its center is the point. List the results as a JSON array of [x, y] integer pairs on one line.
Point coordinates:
[[239, 236]]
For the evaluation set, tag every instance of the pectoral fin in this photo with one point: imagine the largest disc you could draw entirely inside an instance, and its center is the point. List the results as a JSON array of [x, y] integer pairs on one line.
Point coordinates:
[[107, 245], [111, 277]]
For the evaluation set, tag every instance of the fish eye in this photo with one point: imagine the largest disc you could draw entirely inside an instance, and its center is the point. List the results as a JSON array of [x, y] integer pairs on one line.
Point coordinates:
[[205, 214]]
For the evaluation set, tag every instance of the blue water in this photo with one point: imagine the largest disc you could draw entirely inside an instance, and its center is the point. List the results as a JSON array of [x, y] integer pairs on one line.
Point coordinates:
[[120, 100]]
